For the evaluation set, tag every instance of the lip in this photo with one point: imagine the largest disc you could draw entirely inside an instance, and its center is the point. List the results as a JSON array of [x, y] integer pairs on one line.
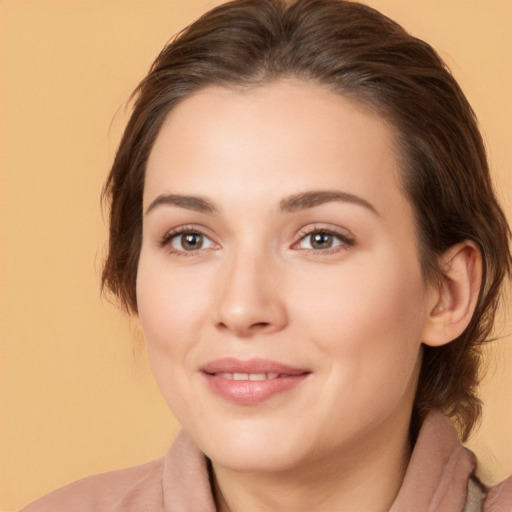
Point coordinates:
[[279, 378]]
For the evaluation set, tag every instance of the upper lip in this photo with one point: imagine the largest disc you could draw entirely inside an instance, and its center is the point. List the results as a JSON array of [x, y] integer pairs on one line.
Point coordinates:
[[233, 365]]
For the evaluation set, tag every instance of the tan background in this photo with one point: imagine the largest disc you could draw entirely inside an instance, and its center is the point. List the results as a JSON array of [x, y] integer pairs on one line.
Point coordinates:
[[76, 395]]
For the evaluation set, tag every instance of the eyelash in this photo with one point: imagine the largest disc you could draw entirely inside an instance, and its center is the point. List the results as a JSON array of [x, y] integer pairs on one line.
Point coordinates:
[[182, 231], [346, 241]]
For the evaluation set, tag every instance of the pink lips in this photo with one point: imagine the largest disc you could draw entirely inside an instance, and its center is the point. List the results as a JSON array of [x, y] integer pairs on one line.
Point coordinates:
[[251, 382]]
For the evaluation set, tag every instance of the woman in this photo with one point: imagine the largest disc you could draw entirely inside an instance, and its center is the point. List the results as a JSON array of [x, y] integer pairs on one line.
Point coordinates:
[[303, 220]]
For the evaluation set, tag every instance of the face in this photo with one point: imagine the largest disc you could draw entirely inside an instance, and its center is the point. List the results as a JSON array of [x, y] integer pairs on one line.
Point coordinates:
[[279, 285]]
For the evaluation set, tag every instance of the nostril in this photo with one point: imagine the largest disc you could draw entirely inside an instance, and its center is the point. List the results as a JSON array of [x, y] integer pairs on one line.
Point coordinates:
[[259, 325], [249, 319], [247, 330]]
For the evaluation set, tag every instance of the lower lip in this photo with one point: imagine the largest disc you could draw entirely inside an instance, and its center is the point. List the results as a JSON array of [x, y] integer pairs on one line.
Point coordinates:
[[252, 392]]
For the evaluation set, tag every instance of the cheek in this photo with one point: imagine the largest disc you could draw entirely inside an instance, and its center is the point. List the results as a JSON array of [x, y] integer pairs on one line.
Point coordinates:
[[170, 305], [369, 322], [166, 301], [169, 301]]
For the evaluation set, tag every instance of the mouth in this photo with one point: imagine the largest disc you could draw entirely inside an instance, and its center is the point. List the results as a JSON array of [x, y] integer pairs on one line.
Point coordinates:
[[251, 382], [247, 376]]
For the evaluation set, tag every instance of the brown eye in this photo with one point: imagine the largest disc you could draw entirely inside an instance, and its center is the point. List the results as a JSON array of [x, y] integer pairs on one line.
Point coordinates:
[[321, 240], [190, 242]]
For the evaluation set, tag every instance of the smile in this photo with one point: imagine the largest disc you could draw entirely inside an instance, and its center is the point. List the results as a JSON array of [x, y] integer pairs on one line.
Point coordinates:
[[251, 382], [248, 376]]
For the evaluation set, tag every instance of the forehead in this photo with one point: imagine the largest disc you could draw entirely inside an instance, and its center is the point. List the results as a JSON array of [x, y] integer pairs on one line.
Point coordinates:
[[294, 135]]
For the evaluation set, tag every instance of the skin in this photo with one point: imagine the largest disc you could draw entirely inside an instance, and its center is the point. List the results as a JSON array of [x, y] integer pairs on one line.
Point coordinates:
[[354, 315]]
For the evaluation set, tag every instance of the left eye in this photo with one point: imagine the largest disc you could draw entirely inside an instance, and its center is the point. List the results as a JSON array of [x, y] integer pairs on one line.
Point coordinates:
[[190, 241], [319, 240]]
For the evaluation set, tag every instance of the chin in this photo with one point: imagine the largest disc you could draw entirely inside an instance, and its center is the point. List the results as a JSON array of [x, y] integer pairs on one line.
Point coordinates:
[[256, 447], [253, 459]]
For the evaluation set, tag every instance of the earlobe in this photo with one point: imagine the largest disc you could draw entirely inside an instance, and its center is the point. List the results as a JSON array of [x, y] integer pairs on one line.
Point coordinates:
[[453, 302]]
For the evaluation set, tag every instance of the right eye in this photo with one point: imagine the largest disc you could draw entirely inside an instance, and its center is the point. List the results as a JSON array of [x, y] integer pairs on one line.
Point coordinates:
[[188, 241]]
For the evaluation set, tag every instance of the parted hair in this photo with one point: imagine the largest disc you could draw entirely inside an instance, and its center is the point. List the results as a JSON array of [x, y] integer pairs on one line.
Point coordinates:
[[357, 52]]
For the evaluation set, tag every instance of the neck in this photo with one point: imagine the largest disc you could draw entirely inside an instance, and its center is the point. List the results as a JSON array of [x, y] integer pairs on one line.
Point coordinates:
[[363, 479]]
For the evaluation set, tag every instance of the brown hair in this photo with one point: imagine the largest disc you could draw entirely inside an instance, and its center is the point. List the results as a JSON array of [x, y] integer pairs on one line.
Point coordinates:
[[355, 51]]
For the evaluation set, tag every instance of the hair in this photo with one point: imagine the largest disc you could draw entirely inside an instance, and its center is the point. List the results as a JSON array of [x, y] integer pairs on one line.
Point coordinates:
[[357, 52]]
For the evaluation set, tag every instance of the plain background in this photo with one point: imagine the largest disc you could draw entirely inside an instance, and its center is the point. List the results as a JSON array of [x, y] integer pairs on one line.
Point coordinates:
[[76, 394]]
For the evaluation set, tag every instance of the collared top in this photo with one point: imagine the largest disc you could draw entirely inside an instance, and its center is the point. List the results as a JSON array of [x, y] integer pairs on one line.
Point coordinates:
[[438, 479]]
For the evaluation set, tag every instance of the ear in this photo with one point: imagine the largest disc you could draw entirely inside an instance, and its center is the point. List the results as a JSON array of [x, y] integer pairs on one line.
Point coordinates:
[[453, 301]]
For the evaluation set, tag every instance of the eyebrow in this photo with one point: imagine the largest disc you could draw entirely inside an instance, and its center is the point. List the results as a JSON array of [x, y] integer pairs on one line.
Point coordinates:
[[307, 200], [294, 203], [195, 203]]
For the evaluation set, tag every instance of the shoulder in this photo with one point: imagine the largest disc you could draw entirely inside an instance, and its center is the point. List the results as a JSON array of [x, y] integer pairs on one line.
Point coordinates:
[[181, 478], [499, 498], [103, 492]]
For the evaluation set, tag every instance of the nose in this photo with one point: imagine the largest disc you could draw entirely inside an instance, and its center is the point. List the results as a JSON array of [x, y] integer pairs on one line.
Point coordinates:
[[251, 299]]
